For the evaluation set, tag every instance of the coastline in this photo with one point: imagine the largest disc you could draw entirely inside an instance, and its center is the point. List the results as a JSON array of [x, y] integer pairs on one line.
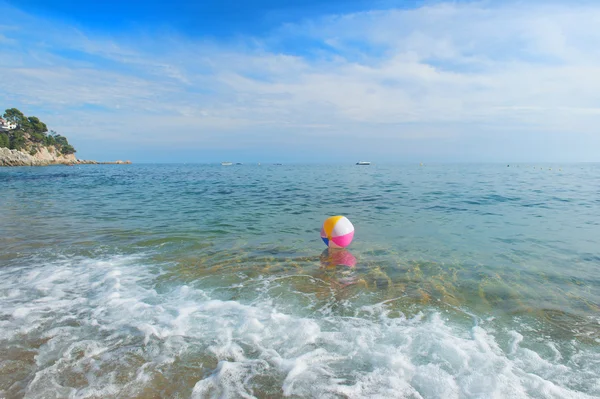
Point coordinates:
[[19, 158]]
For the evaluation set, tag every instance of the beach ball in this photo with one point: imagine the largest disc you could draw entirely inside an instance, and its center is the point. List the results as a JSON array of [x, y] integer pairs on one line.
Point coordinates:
[[337, 232]]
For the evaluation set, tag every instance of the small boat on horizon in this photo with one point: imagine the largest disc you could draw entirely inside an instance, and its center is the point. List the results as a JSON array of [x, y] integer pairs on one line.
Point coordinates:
[[363, 163], [226, 163]]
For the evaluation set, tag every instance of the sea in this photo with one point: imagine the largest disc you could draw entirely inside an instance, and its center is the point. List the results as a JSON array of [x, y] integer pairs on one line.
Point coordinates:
[[210, 281]]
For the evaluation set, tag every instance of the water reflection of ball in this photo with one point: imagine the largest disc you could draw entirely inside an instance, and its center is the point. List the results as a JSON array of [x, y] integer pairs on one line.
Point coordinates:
[[337, 258], [338, 266], [337, 232]]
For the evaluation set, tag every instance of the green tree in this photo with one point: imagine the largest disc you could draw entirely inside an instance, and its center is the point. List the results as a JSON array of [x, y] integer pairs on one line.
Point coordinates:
[[37, 137], [64, 145], [15, 116], [37, 126], [17, 141], [61, 140], [67, 149], [4, 140], [49, 140]]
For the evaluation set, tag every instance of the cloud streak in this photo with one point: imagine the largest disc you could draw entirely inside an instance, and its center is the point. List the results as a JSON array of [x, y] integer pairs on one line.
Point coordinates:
[[368, 81]]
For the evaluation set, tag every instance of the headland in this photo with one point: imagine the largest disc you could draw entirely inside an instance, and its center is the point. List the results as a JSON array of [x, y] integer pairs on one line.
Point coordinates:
[[26, 141]]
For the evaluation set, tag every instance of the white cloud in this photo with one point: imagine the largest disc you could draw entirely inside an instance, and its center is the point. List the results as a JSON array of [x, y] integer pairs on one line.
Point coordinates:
[[442, 71]]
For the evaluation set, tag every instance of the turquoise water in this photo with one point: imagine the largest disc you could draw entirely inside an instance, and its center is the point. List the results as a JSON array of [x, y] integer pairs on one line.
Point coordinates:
[[471, 281]]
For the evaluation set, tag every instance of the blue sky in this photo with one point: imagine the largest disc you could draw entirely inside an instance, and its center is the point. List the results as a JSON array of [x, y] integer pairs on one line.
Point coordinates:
[[315, 81], [217, 19]]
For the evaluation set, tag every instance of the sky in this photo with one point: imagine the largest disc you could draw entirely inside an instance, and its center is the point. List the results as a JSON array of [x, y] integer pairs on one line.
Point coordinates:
[[308, 81]]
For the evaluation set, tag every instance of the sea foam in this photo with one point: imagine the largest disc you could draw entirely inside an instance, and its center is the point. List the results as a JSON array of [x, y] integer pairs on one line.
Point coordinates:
[[113, 327]]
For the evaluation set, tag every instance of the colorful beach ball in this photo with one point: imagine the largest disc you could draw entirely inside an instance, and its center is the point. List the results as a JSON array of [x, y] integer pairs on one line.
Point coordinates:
[[337, 232]]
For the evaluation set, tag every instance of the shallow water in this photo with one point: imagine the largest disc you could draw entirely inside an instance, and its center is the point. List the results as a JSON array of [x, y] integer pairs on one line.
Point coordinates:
[[206, 281]]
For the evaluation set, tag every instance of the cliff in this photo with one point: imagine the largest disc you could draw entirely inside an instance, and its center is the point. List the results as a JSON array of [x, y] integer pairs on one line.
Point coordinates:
[[44, 157]]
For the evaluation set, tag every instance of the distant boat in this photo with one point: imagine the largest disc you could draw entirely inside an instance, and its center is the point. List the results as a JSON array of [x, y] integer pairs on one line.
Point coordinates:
[[239, 163], [226, 163], [279, 164], [363, 163]]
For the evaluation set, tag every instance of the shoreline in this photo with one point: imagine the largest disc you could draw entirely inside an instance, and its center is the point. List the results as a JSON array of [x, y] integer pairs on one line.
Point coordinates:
[[10, 158], [90, 162]]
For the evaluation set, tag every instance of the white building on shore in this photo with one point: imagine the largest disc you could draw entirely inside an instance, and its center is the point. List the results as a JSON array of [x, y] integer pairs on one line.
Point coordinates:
[[6, 125]]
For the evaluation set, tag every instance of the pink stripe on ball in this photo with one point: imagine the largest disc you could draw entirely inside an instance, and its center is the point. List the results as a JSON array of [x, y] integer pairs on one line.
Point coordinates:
[[343, 241]]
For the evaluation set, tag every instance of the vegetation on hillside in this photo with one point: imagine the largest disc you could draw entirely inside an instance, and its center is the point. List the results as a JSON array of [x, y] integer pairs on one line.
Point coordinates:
[[31, 134]]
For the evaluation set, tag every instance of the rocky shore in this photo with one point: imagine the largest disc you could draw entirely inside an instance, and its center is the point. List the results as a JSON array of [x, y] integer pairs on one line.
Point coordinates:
[[45, 157]]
